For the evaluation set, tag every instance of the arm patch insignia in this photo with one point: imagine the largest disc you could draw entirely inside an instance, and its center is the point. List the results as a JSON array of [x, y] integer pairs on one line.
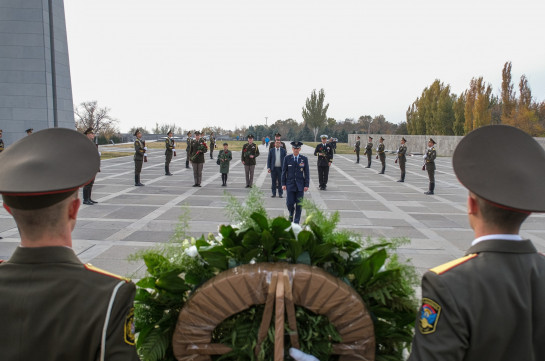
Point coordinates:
[[129, 327], [429, 316]]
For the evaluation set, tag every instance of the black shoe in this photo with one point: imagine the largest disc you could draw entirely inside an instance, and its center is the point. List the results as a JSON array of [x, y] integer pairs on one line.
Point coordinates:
[[92, 201], [195, 185], [139, 185], [368, 167], [247, 186], [380, 172], [168, 174], [280, 196], [428, 192], [401, 181], [89, 203], [273, 196]]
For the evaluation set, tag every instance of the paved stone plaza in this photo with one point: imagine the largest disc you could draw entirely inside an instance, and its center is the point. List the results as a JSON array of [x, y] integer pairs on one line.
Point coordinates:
[[129, 218]]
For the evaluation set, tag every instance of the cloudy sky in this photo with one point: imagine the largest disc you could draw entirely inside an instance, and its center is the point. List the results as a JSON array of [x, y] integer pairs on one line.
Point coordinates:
[[233, 63]]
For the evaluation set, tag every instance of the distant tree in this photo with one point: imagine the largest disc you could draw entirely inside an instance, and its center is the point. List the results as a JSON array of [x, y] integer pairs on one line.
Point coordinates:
[[315, 112], [304, 135], [343, 136], [290, 135], [526, 115], [459, 117], [432, 112], [402, 129], [477, 110], [508, 96], [89, 114], [142, 130]]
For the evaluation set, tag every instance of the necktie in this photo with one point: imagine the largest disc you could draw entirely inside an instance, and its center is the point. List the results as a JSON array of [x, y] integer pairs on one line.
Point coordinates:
[[296, 160]]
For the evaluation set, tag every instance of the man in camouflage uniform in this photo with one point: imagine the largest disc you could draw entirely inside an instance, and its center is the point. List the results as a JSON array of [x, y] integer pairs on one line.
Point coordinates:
[[357, 149], [381, 154], [369, 152], [139, 156], [170, 150], [188, 141], [196, 153], [429, 160], [401, 152], [250, 151]]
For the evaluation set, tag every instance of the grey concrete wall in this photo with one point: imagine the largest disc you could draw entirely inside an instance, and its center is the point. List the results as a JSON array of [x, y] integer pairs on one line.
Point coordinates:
[[418, 143], [35, 85]]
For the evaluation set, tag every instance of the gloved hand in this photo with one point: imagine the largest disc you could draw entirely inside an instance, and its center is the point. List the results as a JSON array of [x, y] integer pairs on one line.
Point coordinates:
[[299, 355]]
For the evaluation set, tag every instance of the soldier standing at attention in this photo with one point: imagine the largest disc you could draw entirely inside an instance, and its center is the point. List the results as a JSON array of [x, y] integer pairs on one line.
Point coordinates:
[[188, 141], [324, 152], [381, 154], [139, 155], [489, 305], [295, 181], [212, 145], [249, 152], [196, 152], [369, 152], [1, 142], [277, 137], [402, 159], [169, 151], [430, 165], [357, 149], [88, 188], [224, 159], [54, 306]]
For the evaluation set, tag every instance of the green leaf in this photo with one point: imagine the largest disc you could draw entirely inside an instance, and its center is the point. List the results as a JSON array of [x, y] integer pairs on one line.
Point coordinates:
[[268, 242], [377, 260], [142, 295], [321, 251], [215, 259], [146, 282], [154, 263], [193, 277], [261, 221], [226, 231], [304, 258], [251, 239], [280, 223], [154, 346], [172, 283]]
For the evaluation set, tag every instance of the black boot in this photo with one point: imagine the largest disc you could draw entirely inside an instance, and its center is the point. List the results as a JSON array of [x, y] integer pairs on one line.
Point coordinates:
[[86, 197], [187, 163], [383, 169], [402, 178], [89, 195], [432, 187], [137, 181], [167, 170]]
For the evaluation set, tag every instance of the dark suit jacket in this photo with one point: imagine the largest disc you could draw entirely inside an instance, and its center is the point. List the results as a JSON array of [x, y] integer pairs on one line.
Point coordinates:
[[295, 176], [327, 151], [53, 307], [271, 159], [489, 305]]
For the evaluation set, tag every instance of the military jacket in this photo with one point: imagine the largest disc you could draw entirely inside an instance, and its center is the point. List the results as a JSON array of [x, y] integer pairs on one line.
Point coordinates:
[[324, 153], [1, 145], [139, 150], [369, 148], [357, 146], [188, 141], [485, 306], [169, 145], [225, 157], [271, 145], [295, 175], [53, 307], [430, 158], [197, 150], [249, 150], [380, 150], [212, 142], [402, 151]]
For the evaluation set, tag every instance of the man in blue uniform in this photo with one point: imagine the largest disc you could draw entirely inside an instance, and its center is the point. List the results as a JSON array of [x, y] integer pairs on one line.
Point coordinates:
[[295, 181], [489, 305]]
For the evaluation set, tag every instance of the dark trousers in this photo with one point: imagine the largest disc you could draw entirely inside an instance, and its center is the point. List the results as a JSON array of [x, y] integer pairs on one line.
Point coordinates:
[[249, 170], [276, 175], [224, 178], [357, 155], [211, 152], [168, 158], [187, 160], [292, 201], [87, 189], [382, 157], [369, 155], [197, 172], [402, 168], [323, 175], [431, 173], [138, 166]]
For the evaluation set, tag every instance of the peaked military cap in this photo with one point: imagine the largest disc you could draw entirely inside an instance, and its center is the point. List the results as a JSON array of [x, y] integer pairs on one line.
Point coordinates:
[[88, 131], [250, 136], [403, 139], [197, 132], [371, 138], [431, 140], [136, 132], [278, 135], [169, 131], [188, 133], [46, 167], [323, 136], [381, 138], [296, 144], [29, 130], [512, 180]]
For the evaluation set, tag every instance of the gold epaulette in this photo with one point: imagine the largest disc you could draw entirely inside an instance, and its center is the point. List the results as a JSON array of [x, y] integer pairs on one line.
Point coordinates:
[[92, 268], [452, 264]]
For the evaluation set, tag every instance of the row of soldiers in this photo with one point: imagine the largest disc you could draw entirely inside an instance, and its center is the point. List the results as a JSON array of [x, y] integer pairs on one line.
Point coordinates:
[[429, 158], [2, 146]]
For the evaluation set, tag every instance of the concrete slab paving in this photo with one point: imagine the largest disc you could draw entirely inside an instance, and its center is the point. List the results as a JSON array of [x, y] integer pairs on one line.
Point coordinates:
[[128, 218]]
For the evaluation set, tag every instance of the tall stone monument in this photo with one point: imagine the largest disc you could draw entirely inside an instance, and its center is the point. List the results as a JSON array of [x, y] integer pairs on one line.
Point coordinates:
[[35, 86]]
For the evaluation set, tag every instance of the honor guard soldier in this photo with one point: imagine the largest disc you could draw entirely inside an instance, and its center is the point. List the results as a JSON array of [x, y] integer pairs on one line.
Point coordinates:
[[170, 150], [429, 165], [277, 136], [29, 131], [401, 158], [54, 307], [188, 141], [369, 152], [139, 156], [212, 145], [224, 159], [381, 154], [196, 153], [357, 149], [250, 151], [324, 151], [1, 142], [489, 305], [88, 188], [295, 181]]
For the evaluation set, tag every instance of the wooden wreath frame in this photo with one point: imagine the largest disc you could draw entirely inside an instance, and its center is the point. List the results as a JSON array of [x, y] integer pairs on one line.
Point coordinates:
[[237, 289]]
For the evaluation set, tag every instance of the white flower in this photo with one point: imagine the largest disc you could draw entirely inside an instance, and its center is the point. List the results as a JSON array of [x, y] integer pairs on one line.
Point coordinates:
[[252, 261], [192, 251], [296, 228], [344, 255]]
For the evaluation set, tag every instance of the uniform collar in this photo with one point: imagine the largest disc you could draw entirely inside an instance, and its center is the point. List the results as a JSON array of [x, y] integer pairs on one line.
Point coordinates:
[[507, 237], [503, 246], [37, 255]]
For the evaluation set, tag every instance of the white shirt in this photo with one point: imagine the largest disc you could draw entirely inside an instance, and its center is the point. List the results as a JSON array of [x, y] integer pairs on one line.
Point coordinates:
[[507, 237], [277, 159]]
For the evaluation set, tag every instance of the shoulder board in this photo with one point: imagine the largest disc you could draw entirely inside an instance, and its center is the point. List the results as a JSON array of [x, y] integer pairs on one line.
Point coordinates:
[[92, 268], [452, 264]]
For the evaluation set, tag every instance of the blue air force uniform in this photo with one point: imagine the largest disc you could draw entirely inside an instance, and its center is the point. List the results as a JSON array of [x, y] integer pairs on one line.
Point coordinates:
[[295, 176]]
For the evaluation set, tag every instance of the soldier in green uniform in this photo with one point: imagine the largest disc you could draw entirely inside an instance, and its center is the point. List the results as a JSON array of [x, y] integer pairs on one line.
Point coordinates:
[[429, 164], [54, 307], [250, 151], [88, 188], [196, 153], [489, 304], [381, 154], [212, 145], [188, 141], [277, 136], [369, 152], [357, 149], [224, 159], [1, 142], [401, 158], [139, 156], [170, 150]]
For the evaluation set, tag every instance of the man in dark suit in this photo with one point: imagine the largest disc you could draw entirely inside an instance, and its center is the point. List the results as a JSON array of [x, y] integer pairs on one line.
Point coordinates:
[[295, 180], [274, 166], [324, 151], [489, 305], [54, 307]]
